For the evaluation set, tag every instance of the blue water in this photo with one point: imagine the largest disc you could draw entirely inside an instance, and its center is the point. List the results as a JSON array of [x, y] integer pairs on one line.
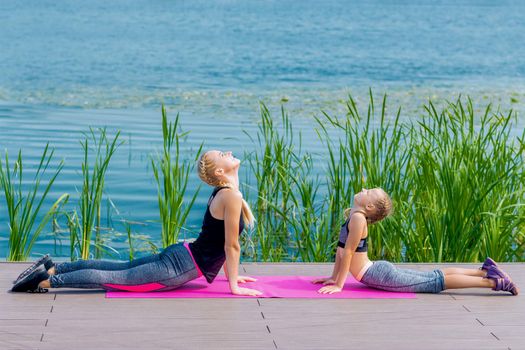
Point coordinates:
[[65, 66]]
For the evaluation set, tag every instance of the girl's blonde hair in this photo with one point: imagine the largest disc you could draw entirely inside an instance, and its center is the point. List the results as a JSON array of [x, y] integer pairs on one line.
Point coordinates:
[[206, 169], [383, 208]]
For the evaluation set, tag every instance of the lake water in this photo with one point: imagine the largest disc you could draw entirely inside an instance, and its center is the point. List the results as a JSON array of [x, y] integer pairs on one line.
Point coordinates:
[[65, 66]]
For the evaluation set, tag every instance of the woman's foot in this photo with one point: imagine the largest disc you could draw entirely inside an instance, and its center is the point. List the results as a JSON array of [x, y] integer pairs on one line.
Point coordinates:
[[30, 283], [45, 260]]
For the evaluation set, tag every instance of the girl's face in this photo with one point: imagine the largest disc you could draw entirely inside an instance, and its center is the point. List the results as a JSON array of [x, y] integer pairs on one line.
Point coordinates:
[[367, 198], [223, 160]]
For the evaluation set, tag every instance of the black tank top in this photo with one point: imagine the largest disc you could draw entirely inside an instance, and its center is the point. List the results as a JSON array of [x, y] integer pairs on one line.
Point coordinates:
[[208, 248]]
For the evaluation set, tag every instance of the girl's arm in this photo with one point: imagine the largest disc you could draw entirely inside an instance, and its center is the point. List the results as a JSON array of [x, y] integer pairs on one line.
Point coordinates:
[[337, 265], [232, 248], [355, 229]]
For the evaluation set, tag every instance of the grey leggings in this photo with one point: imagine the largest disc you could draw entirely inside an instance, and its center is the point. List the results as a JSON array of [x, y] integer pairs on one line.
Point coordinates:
[[167, 270], [384, 275]]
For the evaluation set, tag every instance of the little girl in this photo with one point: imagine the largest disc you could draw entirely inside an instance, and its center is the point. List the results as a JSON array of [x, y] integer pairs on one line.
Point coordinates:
[[374, 205]]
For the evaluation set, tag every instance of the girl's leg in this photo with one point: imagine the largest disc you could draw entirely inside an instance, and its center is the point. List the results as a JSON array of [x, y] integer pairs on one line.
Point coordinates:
[[457, 277], [455, 281], [384, 275], [466, 272]]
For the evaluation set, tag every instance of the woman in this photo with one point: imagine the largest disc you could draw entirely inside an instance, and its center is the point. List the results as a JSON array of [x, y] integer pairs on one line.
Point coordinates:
[[371, 206], [216, 246]]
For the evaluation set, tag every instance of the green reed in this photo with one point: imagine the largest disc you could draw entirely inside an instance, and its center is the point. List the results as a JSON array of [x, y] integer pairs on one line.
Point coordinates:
[[82, 223], [274, 165], [468, 182], [310, 222], [172, 174], [24, 208]]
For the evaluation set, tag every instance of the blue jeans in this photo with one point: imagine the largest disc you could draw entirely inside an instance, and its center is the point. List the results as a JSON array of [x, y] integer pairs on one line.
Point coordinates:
[[384, 275], [165, 271]]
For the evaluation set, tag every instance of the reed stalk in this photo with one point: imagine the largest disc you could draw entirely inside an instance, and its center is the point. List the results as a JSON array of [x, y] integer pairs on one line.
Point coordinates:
[[82, 225], [172, 174], [274, 165], [24, 208]]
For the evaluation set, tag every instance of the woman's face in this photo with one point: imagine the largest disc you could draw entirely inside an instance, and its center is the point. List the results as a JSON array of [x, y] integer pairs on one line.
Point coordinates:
[[223, 160]]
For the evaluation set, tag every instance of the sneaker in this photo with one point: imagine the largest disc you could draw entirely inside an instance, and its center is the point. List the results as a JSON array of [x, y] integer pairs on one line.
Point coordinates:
[[30, 282], [487, 264], [506, 284], [495, 272], [45, 260]]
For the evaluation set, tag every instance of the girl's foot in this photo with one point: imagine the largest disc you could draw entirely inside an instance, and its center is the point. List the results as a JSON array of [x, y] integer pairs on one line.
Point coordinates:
[[45, 260], [30, 283], [502, 280], [506, 284], [493, 270]]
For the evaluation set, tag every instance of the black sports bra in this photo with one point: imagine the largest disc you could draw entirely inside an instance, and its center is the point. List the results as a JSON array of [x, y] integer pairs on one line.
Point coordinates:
[[343, 236]]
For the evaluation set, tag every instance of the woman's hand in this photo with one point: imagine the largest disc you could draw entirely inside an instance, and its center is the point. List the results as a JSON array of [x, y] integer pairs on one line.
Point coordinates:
[[324, 280], [244, 279], [246, 291], [330, 289]]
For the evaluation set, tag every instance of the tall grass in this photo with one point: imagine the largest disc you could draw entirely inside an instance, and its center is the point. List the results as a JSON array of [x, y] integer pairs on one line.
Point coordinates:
[[468, 186], [86, 221], [275, 163], [309, 222], [24, 208], [172, 174]]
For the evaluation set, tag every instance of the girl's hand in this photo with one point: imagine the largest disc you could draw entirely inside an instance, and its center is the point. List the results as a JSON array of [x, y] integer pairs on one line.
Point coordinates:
[[324, 280], [246, 291], [244, 279], [330, 289]]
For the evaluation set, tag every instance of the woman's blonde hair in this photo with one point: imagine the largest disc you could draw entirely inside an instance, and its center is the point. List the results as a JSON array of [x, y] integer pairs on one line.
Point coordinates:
[[383, 208], [206, 169]]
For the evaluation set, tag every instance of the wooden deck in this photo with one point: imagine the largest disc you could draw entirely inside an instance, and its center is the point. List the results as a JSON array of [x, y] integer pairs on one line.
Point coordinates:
[[77, 319]]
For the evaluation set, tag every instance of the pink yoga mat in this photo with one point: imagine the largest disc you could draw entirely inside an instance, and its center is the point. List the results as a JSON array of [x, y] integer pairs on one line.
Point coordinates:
[[271, 286]]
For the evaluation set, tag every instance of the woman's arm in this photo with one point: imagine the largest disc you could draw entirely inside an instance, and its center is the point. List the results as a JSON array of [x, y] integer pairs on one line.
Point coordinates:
[[232, 248], [355, 229]]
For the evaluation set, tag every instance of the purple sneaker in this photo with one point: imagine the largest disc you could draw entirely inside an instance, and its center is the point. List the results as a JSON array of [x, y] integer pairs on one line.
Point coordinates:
[[487, 264], [495, 272], [506, 284]]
